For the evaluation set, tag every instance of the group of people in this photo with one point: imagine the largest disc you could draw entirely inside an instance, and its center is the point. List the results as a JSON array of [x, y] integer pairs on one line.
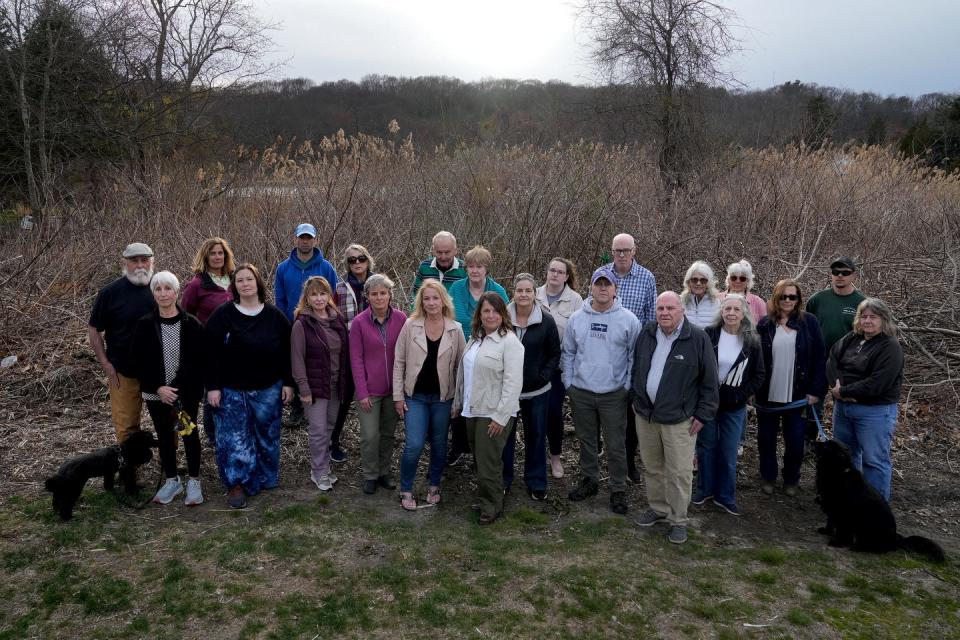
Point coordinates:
[[669, 376]]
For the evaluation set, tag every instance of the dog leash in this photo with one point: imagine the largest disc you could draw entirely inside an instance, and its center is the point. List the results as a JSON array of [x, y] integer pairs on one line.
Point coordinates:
[[797, 404]]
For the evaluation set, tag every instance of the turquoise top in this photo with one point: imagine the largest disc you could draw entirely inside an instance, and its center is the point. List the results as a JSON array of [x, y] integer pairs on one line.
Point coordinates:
[[465, 305]]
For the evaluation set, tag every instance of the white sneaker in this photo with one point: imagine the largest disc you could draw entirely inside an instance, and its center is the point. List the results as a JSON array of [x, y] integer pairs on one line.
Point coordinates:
[[323, 482], [332, 478], [194, 494], [170, 490]]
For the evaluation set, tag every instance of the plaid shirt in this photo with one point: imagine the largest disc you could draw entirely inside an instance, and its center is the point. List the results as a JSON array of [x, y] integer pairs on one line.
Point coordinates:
[[347, 301], [637, 292]]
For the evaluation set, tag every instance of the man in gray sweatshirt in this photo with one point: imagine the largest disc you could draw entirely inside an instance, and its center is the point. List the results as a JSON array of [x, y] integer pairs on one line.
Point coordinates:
[[596, 362]]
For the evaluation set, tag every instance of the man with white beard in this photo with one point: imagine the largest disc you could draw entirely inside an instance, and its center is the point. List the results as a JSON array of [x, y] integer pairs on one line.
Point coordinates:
[[115, 313]]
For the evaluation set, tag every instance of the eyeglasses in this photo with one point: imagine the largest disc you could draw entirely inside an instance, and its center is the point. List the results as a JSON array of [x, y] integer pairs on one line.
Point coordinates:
[[697, 281], [622, 252], [842, 272], [356, 259], [738, 278], [789, 296], [559, 272]]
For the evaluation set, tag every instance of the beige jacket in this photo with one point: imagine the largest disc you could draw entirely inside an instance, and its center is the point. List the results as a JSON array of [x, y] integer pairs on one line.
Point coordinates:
[[569, 302], [411, 352], [497, 378]]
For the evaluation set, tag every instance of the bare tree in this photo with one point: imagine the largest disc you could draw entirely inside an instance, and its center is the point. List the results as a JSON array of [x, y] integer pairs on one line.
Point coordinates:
[[668, 47]]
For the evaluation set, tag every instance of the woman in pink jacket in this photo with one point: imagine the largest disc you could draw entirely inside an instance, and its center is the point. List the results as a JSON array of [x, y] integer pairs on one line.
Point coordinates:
[[373, 340]]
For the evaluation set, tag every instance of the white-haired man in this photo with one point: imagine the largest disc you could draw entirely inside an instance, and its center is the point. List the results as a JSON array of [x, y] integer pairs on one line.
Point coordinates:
[[112, 321], [442, 265]]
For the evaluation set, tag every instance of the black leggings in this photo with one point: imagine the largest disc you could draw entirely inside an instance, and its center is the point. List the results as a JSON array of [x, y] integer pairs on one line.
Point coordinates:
[[166, 425]]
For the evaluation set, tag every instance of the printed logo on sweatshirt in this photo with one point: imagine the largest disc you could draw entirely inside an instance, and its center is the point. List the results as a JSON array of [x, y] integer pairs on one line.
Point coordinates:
[[598, 330]]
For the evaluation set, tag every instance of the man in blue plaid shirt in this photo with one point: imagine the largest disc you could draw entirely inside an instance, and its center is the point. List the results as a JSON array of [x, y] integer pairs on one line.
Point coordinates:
[[638, 293]]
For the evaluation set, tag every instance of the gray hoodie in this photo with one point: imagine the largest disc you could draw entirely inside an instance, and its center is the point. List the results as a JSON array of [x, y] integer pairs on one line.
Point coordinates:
[[598, 348]]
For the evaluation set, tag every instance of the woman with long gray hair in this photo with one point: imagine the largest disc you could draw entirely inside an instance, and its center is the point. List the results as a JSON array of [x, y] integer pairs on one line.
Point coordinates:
[[741, 372]]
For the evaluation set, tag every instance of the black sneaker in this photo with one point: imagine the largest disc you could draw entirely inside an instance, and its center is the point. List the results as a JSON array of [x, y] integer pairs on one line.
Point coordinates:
[[337, 455], [587, 487], [537, 494], [369, 487], [618, 502], [700, 497], [387, 482]]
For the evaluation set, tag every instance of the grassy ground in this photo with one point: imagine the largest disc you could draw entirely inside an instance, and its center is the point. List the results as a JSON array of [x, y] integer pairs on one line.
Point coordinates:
[[300, 565]]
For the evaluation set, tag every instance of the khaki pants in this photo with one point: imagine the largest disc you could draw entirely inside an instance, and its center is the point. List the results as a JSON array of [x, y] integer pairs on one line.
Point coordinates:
[[667, 454], [488, 458], [125, 406], [377, 437]]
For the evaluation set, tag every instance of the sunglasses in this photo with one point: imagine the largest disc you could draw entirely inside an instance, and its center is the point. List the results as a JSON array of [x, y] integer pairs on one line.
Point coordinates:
[[356, 259], [738, 278], [842, 272], [789, 296], [697, 281]]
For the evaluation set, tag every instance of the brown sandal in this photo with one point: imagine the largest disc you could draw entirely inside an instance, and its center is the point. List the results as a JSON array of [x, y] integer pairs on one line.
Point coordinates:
[[407, 501], [433, 495]]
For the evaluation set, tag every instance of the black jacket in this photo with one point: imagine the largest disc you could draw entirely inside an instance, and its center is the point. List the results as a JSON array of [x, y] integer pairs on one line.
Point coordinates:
[[809, 376], [541, 350], [688, 387], [146, 354], [871, 373], [745, 377]]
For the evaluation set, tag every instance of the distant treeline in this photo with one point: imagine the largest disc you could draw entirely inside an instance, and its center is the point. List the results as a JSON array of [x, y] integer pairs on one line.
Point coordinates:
[[446, 110]]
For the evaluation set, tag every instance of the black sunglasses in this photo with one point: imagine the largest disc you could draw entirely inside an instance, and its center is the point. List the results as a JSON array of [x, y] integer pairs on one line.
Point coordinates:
[[789, 296], [738, 278], [356, 259], [842, 272], [698, 280]]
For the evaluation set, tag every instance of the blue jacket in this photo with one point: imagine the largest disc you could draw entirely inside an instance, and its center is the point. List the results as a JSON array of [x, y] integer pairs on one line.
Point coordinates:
[[290, 276], [809, 369]]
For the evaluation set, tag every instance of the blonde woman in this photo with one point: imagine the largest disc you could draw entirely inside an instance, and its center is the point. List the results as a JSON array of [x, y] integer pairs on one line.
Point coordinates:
[[428, 351]]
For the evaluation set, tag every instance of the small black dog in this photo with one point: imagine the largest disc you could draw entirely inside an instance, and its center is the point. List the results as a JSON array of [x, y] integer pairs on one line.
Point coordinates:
[[857, 515], [67, 485]]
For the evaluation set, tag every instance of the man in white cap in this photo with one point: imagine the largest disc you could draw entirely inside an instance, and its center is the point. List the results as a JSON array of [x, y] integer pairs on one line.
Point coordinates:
[[305, 260], [115, 313]]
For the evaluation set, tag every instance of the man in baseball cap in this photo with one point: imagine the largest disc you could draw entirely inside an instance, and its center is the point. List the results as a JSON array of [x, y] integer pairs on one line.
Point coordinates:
[[836, 305], [115, 313], [305, 260], [596, 362]]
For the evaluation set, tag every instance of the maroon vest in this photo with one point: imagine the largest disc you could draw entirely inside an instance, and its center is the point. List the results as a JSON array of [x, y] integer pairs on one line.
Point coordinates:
[[316, 357]]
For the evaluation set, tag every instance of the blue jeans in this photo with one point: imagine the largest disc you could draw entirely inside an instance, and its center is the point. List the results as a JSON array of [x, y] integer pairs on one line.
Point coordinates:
[[867, 430], [248, 438], [768, 428], [533, 411], [717, 446], [426, 414]]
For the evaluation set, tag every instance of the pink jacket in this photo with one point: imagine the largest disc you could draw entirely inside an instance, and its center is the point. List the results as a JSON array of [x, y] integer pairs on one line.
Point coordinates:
[[371, 356]]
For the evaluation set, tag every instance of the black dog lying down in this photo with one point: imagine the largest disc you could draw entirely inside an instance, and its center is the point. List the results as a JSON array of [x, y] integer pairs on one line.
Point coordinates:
[[857, 515], [68, 482]]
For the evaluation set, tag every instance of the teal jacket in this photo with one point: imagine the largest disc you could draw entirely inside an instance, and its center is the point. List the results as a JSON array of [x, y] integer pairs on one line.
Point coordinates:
[[465, 305]]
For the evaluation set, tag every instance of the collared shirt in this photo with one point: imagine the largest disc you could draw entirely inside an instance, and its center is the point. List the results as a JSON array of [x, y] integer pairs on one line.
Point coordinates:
[[382, 326], [659, 360], [637, 292]]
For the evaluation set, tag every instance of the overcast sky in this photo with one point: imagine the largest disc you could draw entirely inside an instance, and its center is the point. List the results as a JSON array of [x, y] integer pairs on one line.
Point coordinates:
[[884, 46]]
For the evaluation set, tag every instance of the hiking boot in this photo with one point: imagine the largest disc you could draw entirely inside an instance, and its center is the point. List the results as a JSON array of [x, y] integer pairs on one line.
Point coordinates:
[[194, 494], [170, 490], [649, 518], [369, 487], [678, 534], [587, 487], [700, 497], [618, 502]]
